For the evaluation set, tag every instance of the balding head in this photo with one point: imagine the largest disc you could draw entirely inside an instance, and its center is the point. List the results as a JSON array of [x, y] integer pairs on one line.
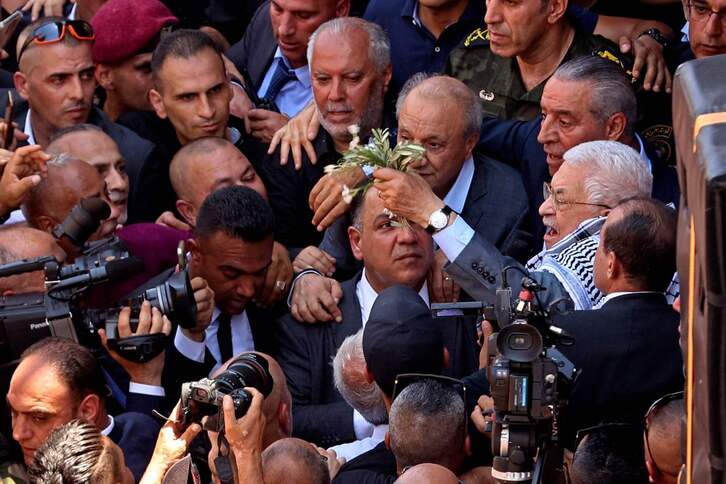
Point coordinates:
[[428, 474], [205, 165], [663, 441], [293, 461], [68, 181], [22, 242]]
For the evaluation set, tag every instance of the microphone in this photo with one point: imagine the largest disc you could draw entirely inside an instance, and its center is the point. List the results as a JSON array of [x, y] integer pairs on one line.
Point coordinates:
[[113, 270], [82, 222]]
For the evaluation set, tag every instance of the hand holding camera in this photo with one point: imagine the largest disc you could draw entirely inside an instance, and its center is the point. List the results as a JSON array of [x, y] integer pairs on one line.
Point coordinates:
[[151, 321]]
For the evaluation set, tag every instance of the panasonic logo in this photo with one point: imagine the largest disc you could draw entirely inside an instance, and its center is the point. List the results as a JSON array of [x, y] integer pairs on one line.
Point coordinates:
[[42, 325]]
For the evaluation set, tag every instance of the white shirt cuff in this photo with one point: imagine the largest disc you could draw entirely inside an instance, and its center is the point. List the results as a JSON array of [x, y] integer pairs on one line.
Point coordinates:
[[194, 350], [144, 389], [361, 426], [454, 238]]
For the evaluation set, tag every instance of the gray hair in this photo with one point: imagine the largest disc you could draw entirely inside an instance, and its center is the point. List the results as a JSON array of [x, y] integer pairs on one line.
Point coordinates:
[[610, 88], [349, 368], [379, 47], [445, 88], [613, 171], [427, 424]]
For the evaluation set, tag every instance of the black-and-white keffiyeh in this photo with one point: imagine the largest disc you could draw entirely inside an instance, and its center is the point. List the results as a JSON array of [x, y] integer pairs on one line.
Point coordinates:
[[572, 260]]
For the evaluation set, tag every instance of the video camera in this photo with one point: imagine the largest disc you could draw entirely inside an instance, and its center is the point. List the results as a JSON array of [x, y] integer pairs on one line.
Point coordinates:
[[60, 311], [529, 379]]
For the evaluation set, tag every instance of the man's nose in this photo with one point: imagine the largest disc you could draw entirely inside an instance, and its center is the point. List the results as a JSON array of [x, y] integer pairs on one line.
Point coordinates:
[[286, 27], [246, 287], [21, 431], [206, 109], [337, 93], [75, 88], [547, 207], [116, 182], [713, 25], [547, 133], [406, 234], [493, 14]]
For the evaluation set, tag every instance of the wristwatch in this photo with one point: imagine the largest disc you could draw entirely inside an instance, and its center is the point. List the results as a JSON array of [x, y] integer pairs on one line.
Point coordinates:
[[438, 220], [656, 35]]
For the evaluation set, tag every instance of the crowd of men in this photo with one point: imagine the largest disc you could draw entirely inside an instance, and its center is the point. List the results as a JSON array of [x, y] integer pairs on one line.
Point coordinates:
[[549, 163]]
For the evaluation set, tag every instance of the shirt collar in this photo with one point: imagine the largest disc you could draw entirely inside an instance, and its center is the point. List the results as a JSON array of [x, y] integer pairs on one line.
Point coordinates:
[[367, 296], [302, 73], [379, 432], [28, 129], [72, 13], [410, 10], [109, 428], [456, 197], [643, 153], [613, 295]]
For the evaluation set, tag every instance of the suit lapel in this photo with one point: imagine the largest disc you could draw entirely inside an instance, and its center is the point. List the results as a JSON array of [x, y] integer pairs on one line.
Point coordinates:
[[350, 307], [473, 210]]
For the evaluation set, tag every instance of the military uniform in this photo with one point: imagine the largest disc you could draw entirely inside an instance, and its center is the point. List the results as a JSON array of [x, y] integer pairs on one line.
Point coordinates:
[[496, 79]]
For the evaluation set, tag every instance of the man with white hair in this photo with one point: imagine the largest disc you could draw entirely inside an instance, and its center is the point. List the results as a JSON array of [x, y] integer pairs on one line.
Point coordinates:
[[594, 177], [351, 381]]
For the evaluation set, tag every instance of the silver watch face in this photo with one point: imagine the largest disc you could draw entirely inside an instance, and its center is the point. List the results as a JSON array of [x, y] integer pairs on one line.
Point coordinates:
[[438, 220]]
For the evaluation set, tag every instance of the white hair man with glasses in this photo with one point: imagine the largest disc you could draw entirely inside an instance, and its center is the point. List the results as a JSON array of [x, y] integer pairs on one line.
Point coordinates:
[[594, 177]]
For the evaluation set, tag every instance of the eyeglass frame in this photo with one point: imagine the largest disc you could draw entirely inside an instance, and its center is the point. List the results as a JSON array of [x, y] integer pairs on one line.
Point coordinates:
[[547, 193], [657, 405], [66, 28], [444, 380], [721, 14]]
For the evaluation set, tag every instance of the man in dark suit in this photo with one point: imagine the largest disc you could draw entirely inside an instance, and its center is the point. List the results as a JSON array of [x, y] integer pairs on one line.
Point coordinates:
[[59, 380], [587, 99], [273, 52], [441, 114], [391, 254], [628, 348], [56, 83]]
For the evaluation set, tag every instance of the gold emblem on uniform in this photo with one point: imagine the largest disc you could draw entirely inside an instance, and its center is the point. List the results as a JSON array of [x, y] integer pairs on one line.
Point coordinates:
[[478, 34], [486, 95]]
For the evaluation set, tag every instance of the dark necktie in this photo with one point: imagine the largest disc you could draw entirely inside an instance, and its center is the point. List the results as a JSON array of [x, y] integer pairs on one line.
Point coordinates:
[[280, 77], [224, 337]]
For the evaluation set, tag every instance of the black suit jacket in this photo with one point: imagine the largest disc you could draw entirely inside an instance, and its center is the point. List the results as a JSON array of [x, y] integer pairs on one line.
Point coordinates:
[[306, 352], [135, 433], [629, 356], [256, 50]]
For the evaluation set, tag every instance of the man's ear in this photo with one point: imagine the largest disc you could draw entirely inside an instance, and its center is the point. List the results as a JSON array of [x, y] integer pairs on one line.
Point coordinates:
[[387, 440], [284, 418], [467, 444], [614, 267], [21, 84], [187, 211], [471, 142], [44, 223], [615, 126], [369, 376], [90, 408], [157, 103], [446, 358], [104, 77], [387, 74], [555, 10], [354, 235], [195, 250], [342, 8]]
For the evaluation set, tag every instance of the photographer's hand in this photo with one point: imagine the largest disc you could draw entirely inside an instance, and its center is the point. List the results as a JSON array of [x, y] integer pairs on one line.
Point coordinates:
[[151, 321], [170, 447], [483, 413], [204, 297], [486, 330], [244, 436]]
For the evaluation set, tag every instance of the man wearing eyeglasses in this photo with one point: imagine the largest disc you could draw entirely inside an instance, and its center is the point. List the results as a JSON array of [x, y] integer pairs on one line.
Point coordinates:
[[594, 177], [706, 28]]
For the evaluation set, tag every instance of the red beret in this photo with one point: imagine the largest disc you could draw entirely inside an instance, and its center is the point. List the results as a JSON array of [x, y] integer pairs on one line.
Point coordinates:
[[125, 27]]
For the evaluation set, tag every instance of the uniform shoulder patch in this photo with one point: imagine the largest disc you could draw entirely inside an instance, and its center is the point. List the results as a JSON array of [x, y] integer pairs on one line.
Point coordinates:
[[477, 37]]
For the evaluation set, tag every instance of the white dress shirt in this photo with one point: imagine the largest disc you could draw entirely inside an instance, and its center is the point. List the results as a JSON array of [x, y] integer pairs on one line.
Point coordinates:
[[294, 95], [367, 296], [109, 428], [241, 340], [351, 450], [613, 295], [28, 128]]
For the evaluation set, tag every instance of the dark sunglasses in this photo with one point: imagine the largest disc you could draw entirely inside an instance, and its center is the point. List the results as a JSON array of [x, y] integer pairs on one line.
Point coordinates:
[[52, 32], [657, 405]]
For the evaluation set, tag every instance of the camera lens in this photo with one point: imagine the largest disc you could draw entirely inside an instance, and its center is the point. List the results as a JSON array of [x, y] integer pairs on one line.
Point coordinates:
[[520, 341], [249, 370]]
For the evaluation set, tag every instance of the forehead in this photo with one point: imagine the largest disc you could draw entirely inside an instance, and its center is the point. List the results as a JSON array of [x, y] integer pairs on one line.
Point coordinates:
[[199, 72], [562, 95], [35, 381], [58, 57], [429, 115], [231, 250], [568, 178], [342, 51], [303, 5], [92, 147], [372, 206]]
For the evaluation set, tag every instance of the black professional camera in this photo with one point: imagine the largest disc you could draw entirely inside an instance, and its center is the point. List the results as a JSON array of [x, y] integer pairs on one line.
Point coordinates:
[[204, 397], [60, 311]]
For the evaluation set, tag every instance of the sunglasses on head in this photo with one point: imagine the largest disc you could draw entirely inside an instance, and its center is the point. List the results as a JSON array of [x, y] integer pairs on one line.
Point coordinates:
[[52, 32], [657, 405]]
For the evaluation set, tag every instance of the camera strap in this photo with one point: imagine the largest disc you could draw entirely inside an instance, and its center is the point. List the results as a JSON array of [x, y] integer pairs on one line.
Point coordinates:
[[223, 462]]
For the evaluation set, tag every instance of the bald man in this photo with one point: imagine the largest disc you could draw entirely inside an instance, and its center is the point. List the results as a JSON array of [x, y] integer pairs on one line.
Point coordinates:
[[68, 181], [277, 409], [291, 460], [206, 165], [428, 474], [23, 242], [90, 144]]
